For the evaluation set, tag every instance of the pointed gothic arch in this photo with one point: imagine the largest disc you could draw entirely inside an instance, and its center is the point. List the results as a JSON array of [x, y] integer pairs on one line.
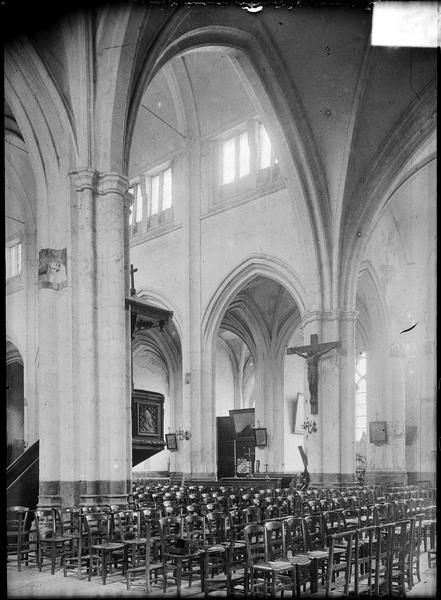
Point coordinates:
[[258, 66]]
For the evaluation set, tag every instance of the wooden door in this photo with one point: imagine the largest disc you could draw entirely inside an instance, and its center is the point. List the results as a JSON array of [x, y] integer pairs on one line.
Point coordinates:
[[226, 439], [225, 447]]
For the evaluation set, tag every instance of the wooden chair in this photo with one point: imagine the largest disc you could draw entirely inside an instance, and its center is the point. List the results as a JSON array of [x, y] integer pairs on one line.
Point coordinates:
[[17, 541], [106, 554], [50, 544], [315, 547], [400, 572], [365, 551], [429, 526], [267, 575], [127, 529], [415, 567], [338, 573], [215, 555], [80, 558], [237, 555], [148, 568], [384, 537], [295, 551], [180, 560]]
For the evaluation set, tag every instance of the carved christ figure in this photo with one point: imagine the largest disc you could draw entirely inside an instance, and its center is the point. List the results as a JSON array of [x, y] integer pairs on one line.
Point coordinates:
[[312, 354]]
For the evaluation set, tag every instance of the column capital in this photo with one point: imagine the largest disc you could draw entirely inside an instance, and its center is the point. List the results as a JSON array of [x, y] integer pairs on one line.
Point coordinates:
[[113, 183], [348, 315], [84, 179]]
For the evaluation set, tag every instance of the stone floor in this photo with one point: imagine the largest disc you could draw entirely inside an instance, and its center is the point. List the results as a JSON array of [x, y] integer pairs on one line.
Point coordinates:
[[30, 583]]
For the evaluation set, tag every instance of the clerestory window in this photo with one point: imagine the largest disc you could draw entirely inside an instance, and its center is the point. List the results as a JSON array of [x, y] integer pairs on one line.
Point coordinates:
[[235, 158], [153, 200], [247, 162]]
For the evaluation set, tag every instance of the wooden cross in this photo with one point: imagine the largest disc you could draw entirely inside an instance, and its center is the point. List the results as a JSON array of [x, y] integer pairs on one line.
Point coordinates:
[[303, 456], [312, 353], [132, 278]]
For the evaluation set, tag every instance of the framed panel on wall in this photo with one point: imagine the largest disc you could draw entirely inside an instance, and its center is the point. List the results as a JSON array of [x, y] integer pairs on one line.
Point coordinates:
[[378, 432], [171, 441]]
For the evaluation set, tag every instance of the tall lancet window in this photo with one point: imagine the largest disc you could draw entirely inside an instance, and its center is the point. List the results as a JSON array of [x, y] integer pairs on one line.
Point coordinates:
[[360, 396]]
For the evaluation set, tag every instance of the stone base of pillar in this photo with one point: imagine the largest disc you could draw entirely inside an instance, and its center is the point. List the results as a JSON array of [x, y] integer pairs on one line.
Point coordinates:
[[386, 477], [421, 476], [75, 493], [98, 499], [49, 494], [45, 501]]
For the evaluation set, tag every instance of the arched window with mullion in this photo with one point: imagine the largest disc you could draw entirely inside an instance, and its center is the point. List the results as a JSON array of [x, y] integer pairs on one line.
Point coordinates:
[[360, 396]]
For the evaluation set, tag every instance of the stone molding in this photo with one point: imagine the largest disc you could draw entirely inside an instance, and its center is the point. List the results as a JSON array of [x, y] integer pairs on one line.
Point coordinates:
[[383, 477], [113, 183], [102, 183], [85, 179], [328, 316]]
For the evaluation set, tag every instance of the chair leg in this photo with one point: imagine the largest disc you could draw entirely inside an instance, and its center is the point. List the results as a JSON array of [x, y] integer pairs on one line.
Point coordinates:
[[53, 550], [178, 577]]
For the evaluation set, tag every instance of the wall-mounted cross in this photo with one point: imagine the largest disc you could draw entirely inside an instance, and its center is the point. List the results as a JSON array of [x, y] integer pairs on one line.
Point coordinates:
[[132, 279], [312, 353]]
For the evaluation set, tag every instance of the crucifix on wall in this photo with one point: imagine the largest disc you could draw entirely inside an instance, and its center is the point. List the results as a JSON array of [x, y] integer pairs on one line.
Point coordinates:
[[312, 354], [132, 280]]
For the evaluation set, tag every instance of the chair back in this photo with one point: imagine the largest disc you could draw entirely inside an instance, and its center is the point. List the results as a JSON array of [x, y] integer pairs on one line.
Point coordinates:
[[339, 567], [250, 514], [193, 530], [274, 540], [15, 521], [98, 528], [127, 525], [294, 534], [170, 529], [384, 513], [366, 543], [45, 523], [314, 533], [383, 558], [402, 546], [254, 535], [216, 527], [333, 522], [67, 520]]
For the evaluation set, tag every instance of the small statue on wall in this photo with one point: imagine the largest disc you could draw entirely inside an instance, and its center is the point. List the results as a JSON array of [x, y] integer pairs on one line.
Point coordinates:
[[52, 272]]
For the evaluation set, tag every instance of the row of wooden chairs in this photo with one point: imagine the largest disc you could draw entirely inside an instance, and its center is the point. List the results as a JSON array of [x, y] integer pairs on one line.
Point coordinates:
[[134, 543]]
